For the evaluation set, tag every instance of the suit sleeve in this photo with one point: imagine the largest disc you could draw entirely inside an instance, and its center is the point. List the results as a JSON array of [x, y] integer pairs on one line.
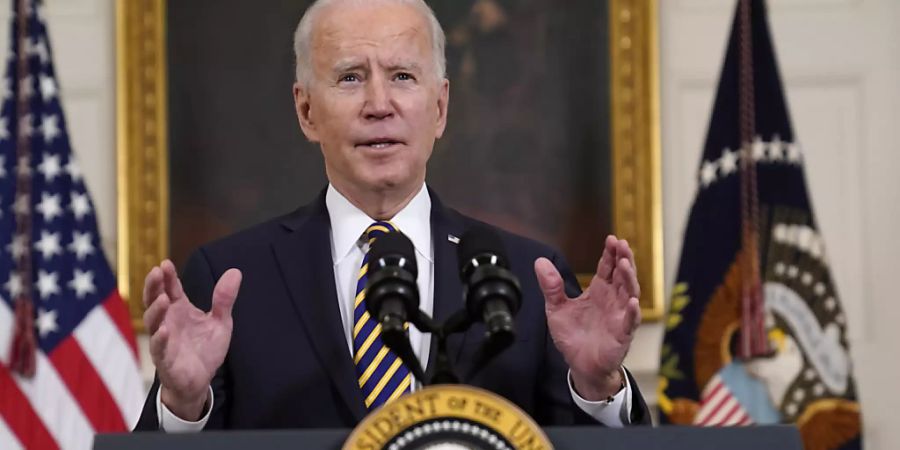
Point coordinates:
[[198, 280], [556, 406]]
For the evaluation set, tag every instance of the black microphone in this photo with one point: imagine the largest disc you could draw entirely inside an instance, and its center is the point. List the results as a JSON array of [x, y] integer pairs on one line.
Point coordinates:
[[392, 295], [492, 292]]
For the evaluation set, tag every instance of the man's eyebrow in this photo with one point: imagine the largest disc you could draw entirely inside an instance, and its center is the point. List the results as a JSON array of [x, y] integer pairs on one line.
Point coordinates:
[[347, 66], [404, 65]]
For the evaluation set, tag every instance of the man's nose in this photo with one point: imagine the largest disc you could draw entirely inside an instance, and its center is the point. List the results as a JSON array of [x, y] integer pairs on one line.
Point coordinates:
[[379, 104]]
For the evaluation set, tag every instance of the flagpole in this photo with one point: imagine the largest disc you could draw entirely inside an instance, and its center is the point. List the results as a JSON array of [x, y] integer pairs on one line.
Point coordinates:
[[23, 351], [753, 338]]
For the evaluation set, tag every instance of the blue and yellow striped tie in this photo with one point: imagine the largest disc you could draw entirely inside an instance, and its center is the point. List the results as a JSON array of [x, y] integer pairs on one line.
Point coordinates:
[[382, 375]]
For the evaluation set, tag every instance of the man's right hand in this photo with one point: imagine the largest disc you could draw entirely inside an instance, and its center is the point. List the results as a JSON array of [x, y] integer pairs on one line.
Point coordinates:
[[187, 345]]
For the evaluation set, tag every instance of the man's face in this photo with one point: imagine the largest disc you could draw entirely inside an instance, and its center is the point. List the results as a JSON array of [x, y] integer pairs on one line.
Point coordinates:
[[375, 104]]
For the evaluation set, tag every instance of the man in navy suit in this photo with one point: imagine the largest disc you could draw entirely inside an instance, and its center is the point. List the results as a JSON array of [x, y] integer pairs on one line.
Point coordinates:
[[264, 328]]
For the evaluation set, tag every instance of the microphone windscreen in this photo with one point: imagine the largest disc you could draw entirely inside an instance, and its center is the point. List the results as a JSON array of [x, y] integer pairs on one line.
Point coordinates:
[[480, 240], [394, 245]]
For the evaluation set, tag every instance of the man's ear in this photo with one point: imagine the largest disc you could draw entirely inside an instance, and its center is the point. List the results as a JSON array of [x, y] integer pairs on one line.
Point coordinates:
[[305, 116], [443, 101]]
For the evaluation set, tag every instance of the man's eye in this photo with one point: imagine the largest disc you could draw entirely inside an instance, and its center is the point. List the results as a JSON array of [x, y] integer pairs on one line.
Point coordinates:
[[403, 76], [348, 78]]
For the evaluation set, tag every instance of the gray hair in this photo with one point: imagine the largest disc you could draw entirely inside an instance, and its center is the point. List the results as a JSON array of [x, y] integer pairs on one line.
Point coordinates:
[[303, 37]]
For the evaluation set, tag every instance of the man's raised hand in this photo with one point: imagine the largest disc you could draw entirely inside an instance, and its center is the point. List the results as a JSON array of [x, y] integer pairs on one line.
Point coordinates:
[[187, 345]]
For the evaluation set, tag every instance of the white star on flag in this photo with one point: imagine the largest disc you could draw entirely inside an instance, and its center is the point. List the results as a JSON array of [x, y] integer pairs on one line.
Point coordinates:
[[708, 173], [50, 167], [40, 49], [82, 283], [81, 245], [728, 162], [46, 322], [775, 149], [48, 245], [2, 165], [50, 128], [80, 204], [73, 169], [49, 207], [48, 88], [18, 246], [47, 284], [758, 149], [4, 129], [793, 153], [14, 285]]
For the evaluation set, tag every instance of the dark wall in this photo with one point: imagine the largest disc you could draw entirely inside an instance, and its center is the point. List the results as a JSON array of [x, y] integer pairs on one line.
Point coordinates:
[[526, 148]]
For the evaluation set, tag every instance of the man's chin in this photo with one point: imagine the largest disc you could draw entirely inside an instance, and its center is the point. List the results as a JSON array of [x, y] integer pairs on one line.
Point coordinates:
[[393, 184]]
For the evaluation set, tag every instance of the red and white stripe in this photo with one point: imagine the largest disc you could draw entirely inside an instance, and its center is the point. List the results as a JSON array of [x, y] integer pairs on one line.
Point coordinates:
[[719, 407], [90, 383], [8, 439]]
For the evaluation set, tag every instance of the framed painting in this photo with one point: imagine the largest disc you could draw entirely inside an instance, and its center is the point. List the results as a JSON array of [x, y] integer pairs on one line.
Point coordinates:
[[552, 131]]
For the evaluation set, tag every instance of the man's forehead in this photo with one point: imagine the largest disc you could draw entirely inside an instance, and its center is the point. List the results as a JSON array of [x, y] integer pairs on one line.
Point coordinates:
[[348, 38], [346, 25]]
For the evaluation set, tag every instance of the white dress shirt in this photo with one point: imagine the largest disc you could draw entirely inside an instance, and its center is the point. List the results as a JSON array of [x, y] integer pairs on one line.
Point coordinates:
[[348, 223]]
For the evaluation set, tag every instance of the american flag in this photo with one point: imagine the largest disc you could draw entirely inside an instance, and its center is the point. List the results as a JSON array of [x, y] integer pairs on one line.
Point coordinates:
[[719, 407], [57, 290]]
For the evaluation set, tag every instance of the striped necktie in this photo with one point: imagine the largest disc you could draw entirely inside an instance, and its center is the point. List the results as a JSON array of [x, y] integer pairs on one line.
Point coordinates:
[[381, 374]]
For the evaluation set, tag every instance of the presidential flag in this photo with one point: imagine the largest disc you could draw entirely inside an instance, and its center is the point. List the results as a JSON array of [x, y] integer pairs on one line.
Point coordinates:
[[68, 359], [755, 333]]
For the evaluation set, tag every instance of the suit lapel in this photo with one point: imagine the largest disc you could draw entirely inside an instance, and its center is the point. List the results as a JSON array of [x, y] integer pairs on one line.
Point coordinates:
[[447, 285], [304, 256]]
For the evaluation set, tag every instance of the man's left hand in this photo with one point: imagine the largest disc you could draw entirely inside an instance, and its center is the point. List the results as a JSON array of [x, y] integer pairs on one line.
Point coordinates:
[[594, 331]]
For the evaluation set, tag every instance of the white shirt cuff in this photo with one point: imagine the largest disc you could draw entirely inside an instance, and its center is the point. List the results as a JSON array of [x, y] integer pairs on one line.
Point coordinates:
[[615, 413], [170, 423]]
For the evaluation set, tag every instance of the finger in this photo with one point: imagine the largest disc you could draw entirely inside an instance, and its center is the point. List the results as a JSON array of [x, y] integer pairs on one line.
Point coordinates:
[[156, 313], [607, 259], [153, 286], [628, 278], [225, 293], [633, 315], [623, 250], [172, 283], [159, 341], [550, 281], [620, 286], [621, 292]]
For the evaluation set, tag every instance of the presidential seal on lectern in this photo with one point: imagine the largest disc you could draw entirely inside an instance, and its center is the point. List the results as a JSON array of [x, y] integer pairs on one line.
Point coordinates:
[[448, 417]]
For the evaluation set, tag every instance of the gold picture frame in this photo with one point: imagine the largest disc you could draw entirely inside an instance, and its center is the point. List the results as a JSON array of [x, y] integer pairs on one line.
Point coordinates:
[[142, 150]]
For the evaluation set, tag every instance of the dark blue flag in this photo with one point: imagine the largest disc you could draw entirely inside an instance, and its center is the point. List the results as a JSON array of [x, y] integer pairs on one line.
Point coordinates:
[[755, 333]]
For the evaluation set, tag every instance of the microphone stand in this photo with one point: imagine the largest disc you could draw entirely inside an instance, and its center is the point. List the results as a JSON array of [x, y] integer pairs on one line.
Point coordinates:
[[443, 371]]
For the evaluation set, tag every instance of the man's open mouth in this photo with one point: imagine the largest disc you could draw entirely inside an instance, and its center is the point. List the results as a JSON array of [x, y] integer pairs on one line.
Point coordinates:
[[379, 143]]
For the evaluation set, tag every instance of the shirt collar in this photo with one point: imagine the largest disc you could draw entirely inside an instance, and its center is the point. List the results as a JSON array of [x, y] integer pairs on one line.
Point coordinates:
[[349, 222]]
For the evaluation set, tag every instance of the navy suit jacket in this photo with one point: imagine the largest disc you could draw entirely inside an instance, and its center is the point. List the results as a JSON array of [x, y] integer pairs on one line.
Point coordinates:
[[288, 365]]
